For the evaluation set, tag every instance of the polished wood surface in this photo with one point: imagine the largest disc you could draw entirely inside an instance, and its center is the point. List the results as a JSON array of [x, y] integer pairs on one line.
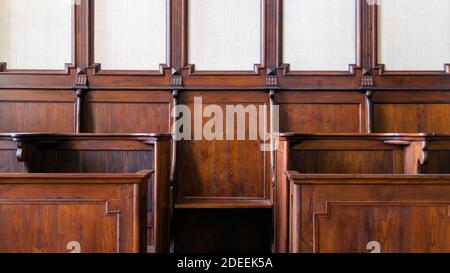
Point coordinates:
[[350, 153], [101, 153], [63, 213], [212, 175], [365, 213]]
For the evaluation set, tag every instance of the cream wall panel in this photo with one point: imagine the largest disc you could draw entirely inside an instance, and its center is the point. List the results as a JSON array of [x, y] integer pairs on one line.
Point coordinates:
[[319, 35], [224, 35], [35, 34], [414, 34], [130, 34]]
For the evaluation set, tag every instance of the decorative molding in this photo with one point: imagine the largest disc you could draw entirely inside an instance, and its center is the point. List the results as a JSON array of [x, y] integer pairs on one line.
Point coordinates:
[[369, 110], [174, 142], [20, 155], [271, 80], [367, 77], [176, 78], [272, 94]]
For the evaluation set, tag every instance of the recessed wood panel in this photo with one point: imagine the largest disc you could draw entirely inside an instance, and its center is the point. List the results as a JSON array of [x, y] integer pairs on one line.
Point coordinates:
[[224, 35], [128, 112], [130, 34], [55, 225], [36, 34], [344, 162], [320, 34], [320, 117], [412, 118], [37, 111], [235, 168], [414, 34], [396, 227]]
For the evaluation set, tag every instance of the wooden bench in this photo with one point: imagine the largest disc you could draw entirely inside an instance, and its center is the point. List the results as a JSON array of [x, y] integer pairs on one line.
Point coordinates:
[[106, 153], [351, 154], [369, 213], [64, 213]]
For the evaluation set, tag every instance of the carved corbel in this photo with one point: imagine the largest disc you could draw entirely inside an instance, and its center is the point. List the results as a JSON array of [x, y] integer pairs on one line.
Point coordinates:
[[20, 155], [271, 76], [367, 77], [176, 78], [416, 155]]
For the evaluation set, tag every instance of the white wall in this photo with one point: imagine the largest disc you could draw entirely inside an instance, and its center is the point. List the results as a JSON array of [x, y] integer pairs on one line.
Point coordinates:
[[35, 34], [224, 35], [130, 34], [414, 34], [319, 34]]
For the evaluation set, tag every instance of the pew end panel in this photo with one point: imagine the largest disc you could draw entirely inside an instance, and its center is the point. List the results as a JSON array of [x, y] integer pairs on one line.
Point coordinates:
[[72, 213], [369, 213]]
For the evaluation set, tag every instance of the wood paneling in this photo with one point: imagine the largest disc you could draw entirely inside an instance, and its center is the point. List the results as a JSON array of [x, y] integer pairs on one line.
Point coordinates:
[[37, 111], [111, 111], [228, 174], [48, 212], [223, 168], [412, 118], [411, 112], [321, 111]]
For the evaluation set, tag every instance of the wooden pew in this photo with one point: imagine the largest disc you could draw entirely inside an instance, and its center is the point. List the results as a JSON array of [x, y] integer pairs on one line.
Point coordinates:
[[66, 213], [108, 153], [342, 153], [369, 213]]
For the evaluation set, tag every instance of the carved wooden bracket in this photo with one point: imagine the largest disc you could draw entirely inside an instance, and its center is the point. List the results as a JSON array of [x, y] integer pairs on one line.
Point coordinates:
[[81, 81], [20, 155], [176, 78], [367, 77], [416, 154], [271, 76]]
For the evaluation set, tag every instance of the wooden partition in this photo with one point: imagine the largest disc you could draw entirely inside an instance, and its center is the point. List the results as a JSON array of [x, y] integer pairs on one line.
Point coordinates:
[[103, 153], [103, 213], [369, 213]]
